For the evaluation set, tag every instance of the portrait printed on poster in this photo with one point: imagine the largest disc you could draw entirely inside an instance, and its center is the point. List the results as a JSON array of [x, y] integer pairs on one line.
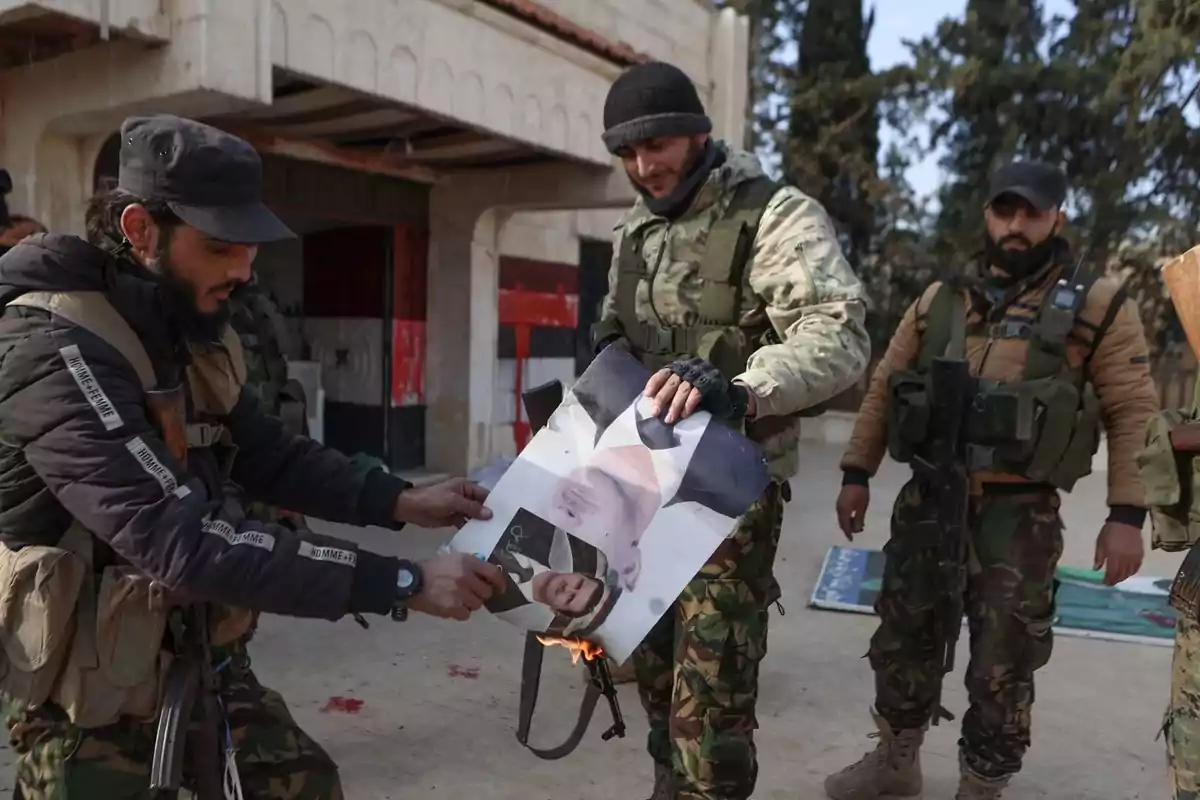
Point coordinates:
[[607, 514]]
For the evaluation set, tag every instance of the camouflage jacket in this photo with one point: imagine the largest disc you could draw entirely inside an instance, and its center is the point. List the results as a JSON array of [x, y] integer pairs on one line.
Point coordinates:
[[797, 279], [255, 318]]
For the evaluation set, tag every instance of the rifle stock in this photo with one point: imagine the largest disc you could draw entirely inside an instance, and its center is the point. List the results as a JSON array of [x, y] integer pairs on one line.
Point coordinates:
[[945, 472]]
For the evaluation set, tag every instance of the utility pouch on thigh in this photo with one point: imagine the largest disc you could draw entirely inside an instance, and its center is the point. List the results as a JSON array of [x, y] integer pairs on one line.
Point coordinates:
[[117, 660], [39, 588]]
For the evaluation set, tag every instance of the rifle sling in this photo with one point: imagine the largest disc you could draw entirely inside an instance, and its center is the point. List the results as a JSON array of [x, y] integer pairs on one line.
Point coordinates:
[[531, 676]]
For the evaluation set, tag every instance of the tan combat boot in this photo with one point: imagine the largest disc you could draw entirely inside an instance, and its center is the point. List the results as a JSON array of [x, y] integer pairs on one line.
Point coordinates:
[[892, 769], [664, 783], [972, 787]]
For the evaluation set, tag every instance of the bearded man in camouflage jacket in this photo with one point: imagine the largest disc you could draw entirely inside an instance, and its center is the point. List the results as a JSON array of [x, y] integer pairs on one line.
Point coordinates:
[[734, 290]]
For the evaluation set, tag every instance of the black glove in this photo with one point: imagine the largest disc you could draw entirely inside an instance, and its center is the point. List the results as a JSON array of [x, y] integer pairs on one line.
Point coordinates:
[[718, 396]]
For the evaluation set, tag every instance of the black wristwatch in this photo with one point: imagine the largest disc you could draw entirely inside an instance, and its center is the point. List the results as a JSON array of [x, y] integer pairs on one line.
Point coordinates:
[[409, 580]]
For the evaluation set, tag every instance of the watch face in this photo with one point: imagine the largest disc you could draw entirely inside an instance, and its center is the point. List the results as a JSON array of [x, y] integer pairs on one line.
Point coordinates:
[[404, 579]]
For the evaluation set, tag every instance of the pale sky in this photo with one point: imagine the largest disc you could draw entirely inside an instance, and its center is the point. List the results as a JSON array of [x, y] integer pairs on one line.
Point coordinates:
[[896, 20]]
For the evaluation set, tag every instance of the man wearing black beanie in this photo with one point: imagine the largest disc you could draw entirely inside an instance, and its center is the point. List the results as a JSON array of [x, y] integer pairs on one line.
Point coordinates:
[[734, 289]]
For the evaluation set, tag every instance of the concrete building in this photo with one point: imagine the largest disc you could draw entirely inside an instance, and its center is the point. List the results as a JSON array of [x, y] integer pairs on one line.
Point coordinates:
[[441, 159]]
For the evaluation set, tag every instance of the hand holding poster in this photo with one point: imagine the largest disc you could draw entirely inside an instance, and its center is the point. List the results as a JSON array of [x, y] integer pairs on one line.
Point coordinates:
[[609, 512]]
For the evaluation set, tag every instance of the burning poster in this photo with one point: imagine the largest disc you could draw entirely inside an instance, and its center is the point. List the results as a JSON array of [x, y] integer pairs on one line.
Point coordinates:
[[609, 512]]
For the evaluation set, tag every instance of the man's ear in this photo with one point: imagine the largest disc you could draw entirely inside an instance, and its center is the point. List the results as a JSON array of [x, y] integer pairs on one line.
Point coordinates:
[[139, 229]]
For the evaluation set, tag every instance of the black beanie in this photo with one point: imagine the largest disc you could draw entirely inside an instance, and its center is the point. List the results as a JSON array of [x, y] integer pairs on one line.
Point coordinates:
[[650, 100]]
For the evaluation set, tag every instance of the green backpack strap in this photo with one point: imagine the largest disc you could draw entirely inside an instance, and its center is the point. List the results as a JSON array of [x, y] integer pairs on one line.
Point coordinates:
[[727, 251], [945, 325], [631, 267], [1056, 317]]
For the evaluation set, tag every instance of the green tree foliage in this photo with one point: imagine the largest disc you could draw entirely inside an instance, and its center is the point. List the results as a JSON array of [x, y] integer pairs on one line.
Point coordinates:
[[1110, 91], [832, 132]]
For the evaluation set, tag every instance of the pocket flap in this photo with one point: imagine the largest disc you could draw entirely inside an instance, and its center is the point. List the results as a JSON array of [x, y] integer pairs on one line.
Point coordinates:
[[40, 589], [130, 622]]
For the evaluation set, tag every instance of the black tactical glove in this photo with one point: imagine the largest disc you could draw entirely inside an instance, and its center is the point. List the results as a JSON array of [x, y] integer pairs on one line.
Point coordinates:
[[718, 396]]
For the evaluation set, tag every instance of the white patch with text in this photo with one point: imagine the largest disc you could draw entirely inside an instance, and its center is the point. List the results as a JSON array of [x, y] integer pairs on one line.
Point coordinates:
[[90, 387], [333, 554], [219, 527], [154, 467]]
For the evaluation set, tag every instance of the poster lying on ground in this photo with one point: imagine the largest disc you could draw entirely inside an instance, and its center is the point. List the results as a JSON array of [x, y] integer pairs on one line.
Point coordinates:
[[1135, 610], [607, 514]]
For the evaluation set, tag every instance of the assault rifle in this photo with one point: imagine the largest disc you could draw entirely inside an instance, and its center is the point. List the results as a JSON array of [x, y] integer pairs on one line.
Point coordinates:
[[190, 680], [945, 474], [540, 403]]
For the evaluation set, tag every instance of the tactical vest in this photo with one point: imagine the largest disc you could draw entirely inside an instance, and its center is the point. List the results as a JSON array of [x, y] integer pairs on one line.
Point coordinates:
[[88, 637], [1044, 427], [262, 329], [1171, 480], [717, 336]]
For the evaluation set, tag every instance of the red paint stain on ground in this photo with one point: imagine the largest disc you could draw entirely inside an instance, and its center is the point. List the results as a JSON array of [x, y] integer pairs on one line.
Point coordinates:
[[343, 705], [471, 673]]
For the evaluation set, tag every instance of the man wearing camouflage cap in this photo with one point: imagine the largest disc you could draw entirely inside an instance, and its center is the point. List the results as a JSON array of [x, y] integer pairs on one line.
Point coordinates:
[[122, 417], [734, 290]]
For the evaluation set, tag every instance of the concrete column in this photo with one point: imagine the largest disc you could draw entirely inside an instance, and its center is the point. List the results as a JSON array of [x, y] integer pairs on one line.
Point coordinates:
[[467, 213], [730, 48]]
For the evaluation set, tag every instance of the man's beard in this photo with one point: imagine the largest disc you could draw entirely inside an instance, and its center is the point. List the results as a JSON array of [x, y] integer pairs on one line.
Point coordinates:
[[1020, 263], [701, 159], [182, 303], [695, 151]]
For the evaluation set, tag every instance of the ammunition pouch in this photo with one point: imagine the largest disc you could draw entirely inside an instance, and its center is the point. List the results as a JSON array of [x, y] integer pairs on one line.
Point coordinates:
[[1171, 482], [907, 420], [90, 642], [1045, 430], [40, 588]]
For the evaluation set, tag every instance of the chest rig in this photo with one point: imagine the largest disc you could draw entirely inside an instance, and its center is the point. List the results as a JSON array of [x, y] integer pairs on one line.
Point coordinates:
[[716, 335], [1043, 427], [78, 627]]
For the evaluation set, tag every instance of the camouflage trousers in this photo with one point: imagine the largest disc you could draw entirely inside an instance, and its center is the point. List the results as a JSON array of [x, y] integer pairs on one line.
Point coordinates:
[[697, 670], [1014, 547], [1182, 722], [275, 758]]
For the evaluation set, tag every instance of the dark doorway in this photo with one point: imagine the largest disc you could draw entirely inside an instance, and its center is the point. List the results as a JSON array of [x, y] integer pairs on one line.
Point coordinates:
[[595, 258], [347, 281]]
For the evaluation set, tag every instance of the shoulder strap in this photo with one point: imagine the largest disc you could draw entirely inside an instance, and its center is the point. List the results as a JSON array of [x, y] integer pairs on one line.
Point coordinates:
[[531, 675], [93, 311], [1057, 315], [944, 319], [1110, 316], [727, 250], [630, 268]]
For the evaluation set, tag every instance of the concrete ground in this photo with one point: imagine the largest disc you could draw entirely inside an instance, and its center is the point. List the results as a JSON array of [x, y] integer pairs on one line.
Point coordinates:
[[439, 699]]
